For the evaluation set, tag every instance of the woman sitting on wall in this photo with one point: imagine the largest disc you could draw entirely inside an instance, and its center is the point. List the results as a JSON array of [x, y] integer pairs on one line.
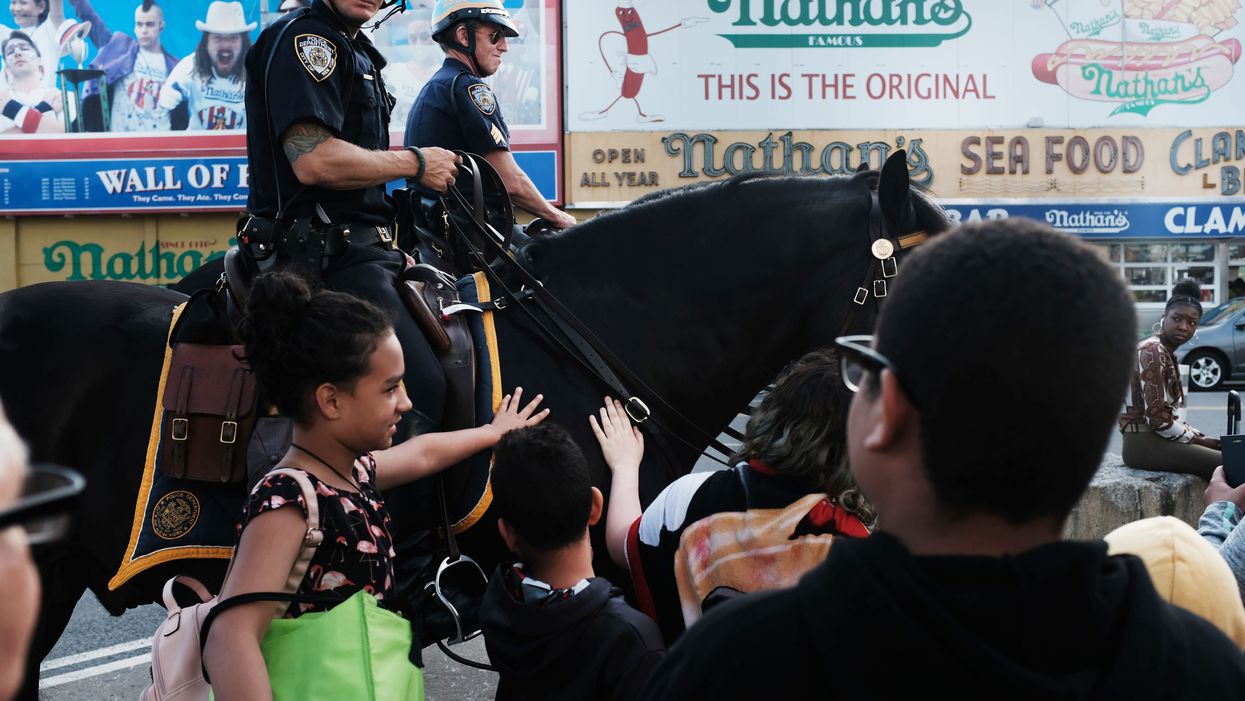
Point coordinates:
[[1155, 437]]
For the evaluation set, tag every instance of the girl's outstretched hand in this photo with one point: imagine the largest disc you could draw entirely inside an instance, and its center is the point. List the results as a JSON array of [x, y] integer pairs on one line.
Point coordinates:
[[509, 416]]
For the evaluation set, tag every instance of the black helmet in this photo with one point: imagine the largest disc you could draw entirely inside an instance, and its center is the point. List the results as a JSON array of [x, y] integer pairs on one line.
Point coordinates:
[[447, 13]]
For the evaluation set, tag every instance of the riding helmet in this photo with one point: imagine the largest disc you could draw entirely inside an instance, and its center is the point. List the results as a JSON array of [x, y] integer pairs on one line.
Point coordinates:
[[447, 13]]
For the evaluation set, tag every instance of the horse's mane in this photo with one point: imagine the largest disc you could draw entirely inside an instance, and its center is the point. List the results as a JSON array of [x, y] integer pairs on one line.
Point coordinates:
[[800, 196]]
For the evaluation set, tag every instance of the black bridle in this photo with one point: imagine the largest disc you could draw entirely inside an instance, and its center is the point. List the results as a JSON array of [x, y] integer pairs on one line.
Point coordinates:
[[883, 247], [595, 356]]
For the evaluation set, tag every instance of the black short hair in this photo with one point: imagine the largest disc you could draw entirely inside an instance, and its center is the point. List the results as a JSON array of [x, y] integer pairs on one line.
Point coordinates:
[[296, 337], [1186, 292], [1015, 343], [541, 486]]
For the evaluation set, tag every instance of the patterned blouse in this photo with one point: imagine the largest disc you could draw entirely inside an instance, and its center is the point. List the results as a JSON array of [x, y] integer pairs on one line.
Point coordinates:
[[1156, 393], [357, 550]]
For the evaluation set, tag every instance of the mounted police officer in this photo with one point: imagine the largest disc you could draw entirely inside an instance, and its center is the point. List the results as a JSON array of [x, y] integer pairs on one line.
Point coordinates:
[[457, 109], [317, 196]]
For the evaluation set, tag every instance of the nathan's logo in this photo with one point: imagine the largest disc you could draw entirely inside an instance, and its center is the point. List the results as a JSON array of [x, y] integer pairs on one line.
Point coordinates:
[[702, 157], [1158, 31], [1151, 60], [1094, 27], [846, 23], [1088, 221], [163, 261]]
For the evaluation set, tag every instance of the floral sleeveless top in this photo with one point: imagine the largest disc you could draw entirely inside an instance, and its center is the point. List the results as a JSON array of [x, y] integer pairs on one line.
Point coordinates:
[[357, 550]]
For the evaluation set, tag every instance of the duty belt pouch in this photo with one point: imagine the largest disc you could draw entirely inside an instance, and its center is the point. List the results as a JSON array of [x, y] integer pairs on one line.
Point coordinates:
[[301, 245], [209, 411]]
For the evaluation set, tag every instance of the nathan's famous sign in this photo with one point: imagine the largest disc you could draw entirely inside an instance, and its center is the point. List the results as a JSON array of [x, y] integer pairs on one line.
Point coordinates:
[[1143, 54], [845, 23], [763, 65]]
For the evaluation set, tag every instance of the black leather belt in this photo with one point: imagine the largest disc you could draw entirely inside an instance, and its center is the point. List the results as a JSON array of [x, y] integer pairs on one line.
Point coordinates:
[[359, 234]]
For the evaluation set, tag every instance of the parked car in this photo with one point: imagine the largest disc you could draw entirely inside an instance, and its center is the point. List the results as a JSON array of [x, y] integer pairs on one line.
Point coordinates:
[[1216, 353]]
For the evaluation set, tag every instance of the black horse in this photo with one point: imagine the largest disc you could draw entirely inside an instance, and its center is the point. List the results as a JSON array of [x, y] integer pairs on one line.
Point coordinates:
[[705, 293]]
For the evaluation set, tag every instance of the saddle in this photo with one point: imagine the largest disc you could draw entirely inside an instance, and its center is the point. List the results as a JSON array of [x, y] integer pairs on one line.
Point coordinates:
[[427, 292]]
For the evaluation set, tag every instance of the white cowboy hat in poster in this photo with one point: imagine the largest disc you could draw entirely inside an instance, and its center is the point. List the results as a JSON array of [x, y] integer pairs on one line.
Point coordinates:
[[225, 18]]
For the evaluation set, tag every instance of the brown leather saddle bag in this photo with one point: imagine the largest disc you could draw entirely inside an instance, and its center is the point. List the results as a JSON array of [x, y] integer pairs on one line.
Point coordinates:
[[209, 411]]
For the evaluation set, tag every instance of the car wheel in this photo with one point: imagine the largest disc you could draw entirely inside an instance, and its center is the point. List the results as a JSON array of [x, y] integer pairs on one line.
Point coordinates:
[[1207, 370]]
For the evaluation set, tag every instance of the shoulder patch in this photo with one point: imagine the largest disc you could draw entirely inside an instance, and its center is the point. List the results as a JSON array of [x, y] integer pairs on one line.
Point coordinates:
[[483, 98], [317, 54]]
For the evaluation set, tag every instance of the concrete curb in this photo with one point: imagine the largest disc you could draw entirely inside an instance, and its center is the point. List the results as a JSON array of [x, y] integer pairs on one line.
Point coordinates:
[[1120, 494]]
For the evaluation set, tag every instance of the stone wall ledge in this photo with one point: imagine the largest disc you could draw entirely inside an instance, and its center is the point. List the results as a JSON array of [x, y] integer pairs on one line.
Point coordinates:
[[1120, 494]]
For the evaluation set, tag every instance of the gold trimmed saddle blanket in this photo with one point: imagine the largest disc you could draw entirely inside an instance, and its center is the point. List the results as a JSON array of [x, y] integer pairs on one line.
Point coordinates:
[[176, 519]]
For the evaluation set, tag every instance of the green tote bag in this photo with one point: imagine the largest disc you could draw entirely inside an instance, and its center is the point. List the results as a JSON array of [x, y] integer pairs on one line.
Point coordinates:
[[356, 650]]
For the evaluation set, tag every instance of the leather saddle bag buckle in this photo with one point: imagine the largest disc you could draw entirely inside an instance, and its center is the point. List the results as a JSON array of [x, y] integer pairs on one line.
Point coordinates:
[[210, 408]]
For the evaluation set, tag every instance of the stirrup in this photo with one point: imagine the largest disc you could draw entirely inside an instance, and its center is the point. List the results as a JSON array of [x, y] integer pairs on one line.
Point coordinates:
[[444, 567]]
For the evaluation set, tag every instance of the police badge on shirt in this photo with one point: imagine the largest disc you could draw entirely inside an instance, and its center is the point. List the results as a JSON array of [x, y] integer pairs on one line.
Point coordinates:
[[482, 98], [317, 54]]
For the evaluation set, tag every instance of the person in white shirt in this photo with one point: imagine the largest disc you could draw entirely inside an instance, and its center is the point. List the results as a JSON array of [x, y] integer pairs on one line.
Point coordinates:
[[135, 68], [212, 81], [43, 21], [28, 105]]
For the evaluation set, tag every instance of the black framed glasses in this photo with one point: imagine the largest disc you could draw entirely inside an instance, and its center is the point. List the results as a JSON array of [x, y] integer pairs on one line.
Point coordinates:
[[43, 509], [857, 357]]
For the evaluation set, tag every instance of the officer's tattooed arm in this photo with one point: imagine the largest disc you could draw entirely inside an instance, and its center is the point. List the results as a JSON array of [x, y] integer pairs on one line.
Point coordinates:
[[319, 158], [302, 138]]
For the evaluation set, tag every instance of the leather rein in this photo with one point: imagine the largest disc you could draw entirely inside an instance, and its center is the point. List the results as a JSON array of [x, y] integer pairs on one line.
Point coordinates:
[[596, 357]]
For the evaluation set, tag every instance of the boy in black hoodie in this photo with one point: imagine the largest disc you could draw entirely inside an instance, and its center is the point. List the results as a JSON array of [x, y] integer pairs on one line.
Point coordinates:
[[982, 408], [552, 628]]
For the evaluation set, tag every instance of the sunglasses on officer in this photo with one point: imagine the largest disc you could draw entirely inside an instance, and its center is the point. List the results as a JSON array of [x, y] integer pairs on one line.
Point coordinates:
[[857, 357], [495, 36], [48, 495]]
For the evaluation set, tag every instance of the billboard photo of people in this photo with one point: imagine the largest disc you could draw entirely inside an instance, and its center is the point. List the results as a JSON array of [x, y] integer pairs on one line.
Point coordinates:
[[151, 66]]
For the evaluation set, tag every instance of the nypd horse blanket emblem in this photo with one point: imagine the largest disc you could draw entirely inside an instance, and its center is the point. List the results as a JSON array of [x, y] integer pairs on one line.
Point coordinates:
[[317, 54]]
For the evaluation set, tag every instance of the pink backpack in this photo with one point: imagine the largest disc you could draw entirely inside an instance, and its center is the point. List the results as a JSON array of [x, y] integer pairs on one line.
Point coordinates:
[[177, 672]]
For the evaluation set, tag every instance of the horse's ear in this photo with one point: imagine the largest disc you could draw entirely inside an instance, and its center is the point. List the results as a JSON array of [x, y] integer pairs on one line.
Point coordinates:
[[893, 192], [864, 165]]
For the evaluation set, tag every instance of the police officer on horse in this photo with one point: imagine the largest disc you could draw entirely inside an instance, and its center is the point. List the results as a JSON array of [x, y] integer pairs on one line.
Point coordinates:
[[318, 148], [457, 109]]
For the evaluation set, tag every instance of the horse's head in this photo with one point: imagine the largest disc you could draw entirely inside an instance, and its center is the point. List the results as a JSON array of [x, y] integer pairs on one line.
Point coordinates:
[[901, 217]]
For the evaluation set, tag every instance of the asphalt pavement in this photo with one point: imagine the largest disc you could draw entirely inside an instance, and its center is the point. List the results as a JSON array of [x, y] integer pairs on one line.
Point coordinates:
[[101, 658]]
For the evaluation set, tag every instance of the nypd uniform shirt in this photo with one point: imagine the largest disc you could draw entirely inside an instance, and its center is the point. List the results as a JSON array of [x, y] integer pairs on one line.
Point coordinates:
[[457, 110], [318, 73]]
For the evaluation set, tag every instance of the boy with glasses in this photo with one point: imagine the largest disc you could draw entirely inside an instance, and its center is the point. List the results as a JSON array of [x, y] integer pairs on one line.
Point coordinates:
[[974, 431]]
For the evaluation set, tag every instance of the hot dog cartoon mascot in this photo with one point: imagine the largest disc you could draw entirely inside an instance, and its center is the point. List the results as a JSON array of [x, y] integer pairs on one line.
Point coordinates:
[[638, 62]]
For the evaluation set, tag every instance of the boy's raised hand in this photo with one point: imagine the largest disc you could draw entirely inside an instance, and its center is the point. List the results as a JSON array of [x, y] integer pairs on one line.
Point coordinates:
[[621, 443], [510, 417]]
